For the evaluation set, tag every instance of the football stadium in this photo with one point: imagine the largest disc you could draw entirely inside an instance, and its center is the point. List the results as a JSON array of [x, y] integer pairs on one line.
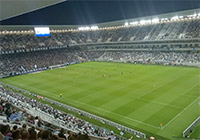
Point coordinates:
[[131, 79]]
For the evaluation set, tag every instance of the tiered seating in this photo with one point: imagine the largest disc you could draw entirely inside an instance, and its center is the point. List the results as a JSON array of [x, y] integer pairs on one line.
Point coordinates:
[[162, 31], [11, 104], [22, 62]]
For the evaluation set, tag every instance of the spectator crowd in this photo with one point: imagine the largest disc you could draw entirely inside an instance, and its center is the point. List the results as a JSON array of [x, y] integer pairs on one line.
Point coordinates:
[[157, 57], [73, 49], [20, 125], [21, 62], [174, 30]]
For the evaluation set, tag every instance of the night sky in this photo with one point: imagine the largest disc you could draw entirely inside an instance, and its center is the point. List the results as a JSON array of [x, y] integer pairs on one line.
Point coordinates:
[[92, 12]]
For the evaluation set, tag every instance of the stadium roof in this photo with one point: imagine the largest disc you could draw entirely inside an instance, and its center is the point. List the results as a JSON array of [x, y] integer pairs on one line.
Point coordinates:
[[85, 12], [13, 8], [105, 24]]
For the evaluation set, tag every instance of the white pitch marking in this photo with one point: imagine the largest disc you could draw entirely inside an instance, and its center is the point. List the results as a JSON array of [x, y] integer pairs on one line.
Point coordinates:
[[180, 113], [157, 87], [190, 89], [101, 109], [160, 103]]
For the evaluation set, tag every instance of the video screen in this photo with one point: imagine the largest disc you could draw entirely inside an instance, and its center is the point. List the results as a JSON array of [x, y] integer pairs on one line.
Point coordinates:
[[42, 31]]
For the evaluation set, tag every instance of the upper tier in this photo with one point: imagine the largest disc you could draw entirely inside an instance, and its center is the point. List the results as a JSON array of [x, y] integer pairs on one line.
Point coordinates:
[[164, 31]]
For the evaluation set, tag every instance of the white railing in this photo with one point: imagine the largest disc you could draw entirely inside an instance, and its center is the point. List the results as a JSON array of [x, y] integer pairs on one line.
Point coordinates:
[[46, 117], [111, 123], [187, 130]]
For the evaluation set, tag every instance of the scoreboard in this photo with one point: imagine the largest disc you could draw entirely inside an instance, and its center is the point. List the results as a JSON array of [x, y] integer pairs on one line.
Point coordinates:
[[42, 31]]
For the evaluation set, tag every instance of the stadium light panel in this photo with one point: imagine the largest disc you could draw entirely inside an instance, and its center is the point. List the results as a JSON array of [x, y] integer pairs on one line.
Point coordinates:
[[83, 28], [195, 15], [126, 24], [175, 18], [142, 22], [134, 23], [155, 20], [87, 28], [80, 28], [148, 21], [162, 19], [180, 17], [94, 28], [192, 16]]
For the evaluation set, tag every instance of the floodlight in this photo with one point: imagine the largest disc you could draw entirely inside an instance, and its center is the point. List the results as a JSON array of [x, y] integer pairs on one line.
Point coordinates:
[[164, 19], [80, 28], [142, 22], [126, 23], [155, 20], [180, 17], [195, 15], [134, 23], [148, 21], [87, 28], [174, 18], [94, 28], [192, 16]]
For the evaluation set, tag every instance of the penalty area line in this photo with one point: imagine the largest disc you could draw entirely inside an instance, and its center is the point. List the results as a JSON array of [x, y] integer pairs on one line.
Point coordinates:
[[184, 93], [180, 113], [157, 87]]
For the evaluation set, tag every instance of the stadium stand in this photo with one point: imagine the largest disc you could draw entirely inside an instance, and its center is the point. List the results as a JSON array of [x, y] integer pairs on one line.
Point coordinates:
[[24, 62], [188, 29], [16, 111]]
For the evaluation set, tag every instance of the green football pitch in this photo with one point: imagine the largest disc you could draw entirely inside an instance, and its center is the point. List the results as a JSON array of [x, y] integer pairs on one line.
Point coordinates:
[[138, 96]]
